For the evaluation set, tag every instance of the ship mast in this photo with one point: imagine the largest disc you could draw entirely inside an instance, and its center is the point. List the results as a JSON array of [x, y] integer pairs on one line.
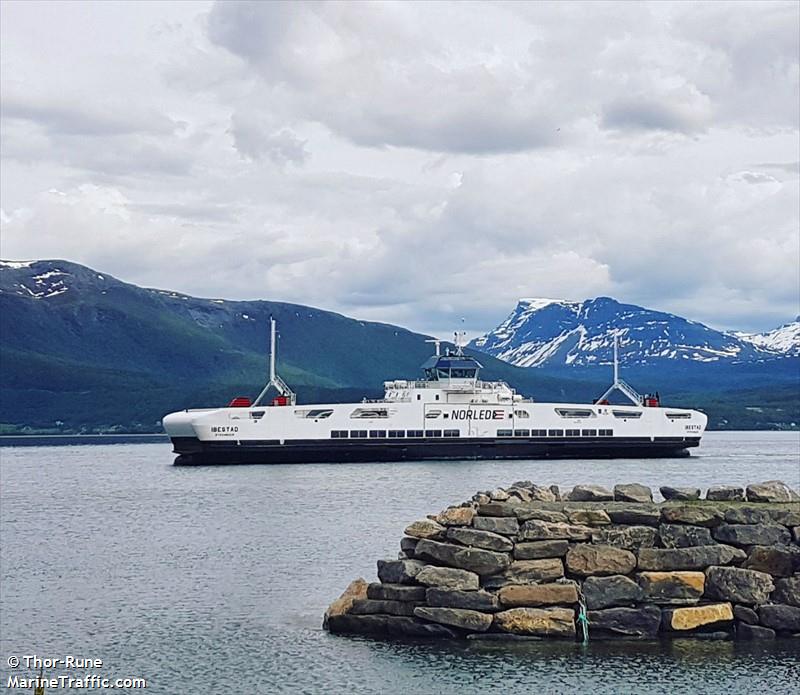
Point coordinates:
[[619, 384], [274, 380]]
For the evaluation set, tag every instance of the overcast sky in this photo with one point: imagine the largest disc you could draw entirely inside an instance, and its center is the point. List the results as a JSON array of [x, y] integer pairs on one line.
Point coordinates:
[[412, 163]]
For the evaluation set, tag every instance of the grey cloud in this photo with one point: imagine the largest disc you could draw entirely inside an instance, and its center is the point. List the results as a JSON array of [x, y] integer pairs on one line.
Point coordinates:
[[253, 141], [650, 114], [791, 167]]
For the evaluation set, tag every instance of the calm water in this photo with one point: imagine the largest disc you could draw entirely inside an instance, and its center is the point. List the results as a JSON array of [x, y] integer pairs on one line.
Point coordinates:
[[214, 580]]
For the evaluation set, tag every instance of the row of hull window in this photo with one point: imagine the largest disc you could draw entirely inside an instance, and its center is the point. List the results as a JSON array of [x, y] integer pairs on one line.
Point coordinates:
[[411, 434]]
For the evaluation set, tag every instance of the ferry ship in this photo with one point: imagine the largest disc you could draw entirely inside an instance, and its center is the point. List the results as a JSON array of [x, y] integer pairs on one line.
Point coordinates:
[[449, 414]]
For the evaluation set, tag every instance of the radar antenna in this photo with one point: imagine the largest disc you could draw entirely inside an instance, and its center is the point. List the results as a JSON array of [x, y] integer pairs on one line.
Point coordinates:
[[619, 384], [274, 380], [438, 344]]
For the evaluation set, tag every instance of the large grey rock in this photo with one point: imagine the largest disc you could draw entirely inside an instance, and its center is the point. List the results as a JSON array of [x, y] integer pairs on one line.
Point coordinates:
[[787, 591], [474, 621], [506, 526], [526, 572], [396, 592], [627, 537], [453, 598], [745, 615], [472, 559], [633, 492], [407, 545], [544, 494], [368, 606], [786, 517], [479, 539], [499, 495], [725, 493], [448, 577], [585, 560], [551, 622], [697, 558], [641, 623], [745, 631], [341, 606], [748, 515], [752, 534], [536, 550], [779, 561], [636, 514], [682, 494], [770, 491], [456, 516], [535, 530], [399, 571], [672, 588], [738, 585], [684, 536], [425, 528], [590, 493], [696, 515], [780, 617], [602, 592], [388, 625]]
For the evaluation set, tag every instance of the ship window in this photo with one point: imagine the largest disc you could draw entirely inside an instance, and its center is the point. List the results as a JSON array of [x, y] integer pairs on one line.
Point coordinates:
[[256, 414], [419, 397], [679, 416], [522, 433], [413, 433], [377, 433], [436, 396], [316, 413], [433, 414], [452, 433], [555, 433], [589, 433], [433, 433], [504, 433], [397, 433], [462, 373], [575, 412], [521, 413], [369, 413], [627, 413], [606, 433], [358, 434], [538, 433], [338, 434]]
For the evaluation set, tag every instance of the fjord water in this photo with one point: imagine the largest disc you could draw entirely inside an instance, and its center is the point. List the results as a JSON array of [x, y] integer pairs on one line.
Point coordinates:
[[215, 579]]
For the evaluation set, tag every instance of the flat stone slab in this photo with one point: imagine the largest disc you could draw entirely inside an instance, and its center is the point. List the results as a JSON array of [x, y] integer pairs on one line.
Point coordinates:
[[697, 558], [590, 493], [685, 494], [588, 517], [399, 571], [775, 560], [787, 591], [535, 530], [526, 572], [536, 550], [626, 537], [454, 598], [684, 536], [506, 526], [396, 592], [770, 491], [693, 617], [586, 560], [368, 606], [738, 585], [637, 514], [745, 631], [471, 559], [752, 534], [696, 515], [425, 528], [633, 492], [479, 539], [456, 516], [395, 626], [604, 592], [725, 493], [642, 622], [474, 621], [538, 595], [550, 622], [448, 577], [679, 587]]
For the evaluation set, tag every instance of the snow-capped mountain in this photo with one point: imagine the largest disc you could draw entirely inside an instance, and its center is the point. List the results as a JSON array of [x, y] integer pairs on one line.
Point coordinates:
[[552, 332], [784, 340]]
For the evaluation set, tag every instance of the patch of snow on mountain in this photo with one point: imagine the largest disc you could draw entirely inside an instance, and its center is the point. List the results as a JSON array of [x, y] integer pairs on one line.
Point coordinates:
[[785, 339], [16, 265]]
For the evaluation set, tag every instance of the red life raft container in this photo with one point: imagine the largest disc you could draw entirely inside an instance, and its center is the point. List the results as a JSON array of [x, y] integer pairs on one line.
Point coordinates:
[[240, 402]]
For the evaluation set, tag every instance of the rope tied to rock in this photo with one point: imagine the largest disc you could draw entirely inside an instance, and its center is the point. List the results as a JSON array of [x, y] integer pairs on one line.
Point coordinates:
[[583, 618]]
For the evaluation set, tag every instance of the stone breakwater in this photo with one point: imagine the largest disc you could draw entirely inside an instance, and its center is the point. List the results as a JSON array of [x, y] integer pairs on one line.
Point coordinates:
[[528, 563]]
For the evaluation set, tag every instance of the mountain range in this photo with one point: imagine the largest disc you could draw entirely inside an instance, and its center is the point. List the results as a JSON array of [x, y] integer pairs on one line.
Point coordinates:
[[83, 351]]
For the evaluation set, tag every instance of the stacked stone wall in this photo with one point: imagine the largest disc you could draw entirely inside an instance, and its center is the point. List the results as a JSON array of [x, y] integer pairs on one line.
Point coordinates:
[[526, 563]]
